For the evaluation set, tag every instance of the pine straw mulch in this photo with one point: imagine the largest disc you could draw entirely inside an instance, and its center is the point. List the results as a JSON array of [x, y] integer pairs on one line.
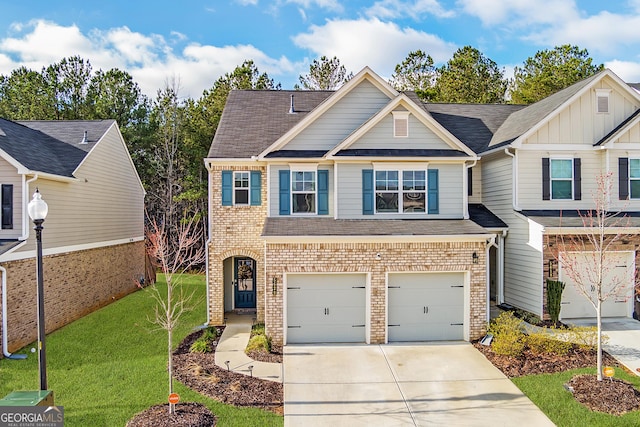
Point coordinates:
[[613, 396]]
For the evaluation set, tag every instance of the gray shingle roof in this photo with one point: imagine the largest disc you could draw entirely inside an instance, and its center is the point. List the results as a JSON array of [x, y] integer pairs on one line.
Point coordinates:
[[50, 146], [314, 226], [572, 218], [253, 120]]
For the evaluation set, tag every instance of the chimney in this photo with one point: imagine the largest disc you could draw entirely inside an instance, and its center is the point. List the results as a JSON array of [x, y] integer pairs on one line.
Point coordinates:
[[291, 109], [84, 139]]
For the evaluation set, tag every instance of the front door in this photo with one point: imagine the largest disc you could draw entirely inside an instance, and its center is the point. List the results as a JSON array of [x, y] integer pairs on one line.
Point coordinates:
[[244, 272]]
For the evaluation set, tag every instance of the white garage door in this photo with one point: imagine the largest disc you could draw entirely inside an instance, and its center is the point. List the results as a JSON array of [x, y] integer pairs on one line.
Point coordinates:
[[426, 306], [326, 308], [575, 304]]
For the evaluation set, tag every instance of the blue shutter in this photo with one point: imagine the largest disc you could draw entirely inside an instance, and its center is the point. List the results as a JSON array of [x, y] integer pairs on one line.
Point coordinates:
[[285, 195], [323, 192], [255, 184], [367, 192], [433, 191], [227, 188]]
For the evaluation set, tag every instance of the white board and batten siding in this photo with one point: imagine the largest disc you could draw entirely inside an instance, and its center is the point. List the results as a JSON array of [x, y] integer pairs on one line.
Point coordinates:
[[619, 270], [326, 308], [348, 114], [427, 307], [105, 203]]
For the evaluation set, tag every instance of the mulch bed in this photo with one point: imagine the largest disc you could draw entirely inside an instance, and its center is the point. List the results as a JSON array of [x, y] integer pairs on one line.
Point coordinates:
[[613, 396], [186, 415]]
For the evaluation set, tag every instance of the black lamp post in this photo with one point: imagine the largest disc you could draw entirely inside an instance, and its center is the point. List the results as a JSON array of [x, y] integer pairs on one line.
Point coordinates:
[[38, 212]]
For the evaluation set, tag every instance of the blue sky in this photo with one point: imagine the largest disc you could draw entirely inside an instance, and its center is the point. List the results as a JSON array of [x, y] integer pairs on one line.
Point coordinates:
[[195, 42]]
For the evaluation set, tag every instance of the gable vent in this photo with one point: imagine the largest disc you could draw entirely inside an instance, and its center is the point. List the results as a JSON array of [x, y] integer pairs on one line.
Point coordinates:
[[400, 124], [602, 100]]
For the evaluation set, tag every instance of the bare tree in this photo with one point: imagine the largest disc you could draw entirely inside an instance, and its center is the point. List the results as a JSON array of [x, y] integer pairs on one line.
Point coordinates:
[[586, 258], [174, 257]]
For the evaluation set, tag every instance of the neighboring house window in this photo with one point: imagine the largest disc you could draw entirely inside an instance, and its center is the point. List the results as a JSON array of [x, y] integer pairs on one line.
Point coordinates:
[[400, 124], [561, 179], [407, 191], [241, 188], [634, 178], [7, 206], [602, 100], [303, 192]]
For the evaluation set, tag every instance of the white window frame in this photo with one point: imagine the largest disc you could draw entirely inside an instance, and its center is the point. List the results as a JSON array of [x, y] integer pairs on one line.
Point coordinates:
[[603, 94], [304, 168], [552, 179], [400, 117], [632, 178], [401, 191], [242, 188]]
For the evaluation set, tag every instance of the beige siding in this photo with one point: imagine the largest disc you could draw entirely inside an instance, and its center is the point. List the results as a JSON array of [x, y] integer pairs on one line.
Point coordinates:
[[579, 123], [105, 203], [497, 183], [9, 175], [530, 179], [630, 135], [476, 184], [616, 203], [381, 137], [343, 118]]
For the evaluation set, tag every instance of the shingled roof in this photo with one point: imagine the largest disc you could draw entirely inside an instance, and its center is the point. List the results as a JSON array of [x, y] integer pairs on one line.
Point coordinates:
[[50, 146]]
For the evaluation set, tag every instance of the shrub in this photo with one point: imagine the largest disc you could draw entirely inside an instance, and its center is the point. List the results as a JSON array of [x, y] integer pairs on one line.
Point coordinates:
[[259, 343], [543, 342], [209, 334], [527, 316], [554, 298], [508, 337], [585, 336], [199, 346], [258, 329]]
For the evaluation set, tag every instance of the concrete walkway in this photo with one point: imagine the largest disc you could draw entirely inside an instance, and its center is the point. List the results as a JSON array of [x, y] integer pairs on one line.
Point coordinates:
[[624, 339], [231, 348], [430, 384]]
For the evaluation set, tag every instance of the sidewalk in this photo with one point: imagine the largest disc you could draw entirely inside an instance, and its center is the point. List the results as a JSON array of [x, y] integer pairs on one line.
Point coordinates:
[[231, 347]]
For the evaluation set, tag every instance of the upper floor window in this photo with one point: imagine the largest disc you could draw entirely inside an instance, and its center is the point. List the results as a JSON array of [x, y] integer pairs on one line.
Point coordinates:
[[400, 191], [241, 188], [303, 192], [634, 178], [561, 178]]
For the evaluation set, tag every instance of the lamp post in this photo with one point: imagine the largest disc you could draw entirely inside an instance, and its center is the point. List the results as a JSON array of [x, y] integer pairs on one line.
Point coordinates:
[[38, 212]]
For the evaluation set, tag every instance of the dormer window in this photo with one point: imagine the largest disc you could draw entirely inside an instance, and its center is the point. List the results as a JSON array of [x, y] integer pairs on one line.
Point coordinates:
[[602, 100], [400, 124]]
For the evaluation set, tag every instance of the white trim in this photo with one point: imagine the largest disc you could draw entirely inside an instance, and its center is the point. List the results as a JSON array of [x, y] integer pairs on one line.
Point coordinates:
[[558, 147], [233, 188], [14, 256], [404, 238]]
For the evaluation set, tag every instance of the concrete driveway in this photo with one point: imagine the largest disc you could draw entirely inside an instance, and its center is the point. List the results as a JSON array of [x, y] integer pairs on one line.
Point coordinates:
[[434, 384]]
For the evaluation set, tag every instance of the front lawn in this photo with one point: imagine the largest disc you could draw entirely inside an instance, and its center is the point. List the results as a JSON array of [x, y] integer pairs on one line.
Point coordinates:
[[111, 364], [548, 393]]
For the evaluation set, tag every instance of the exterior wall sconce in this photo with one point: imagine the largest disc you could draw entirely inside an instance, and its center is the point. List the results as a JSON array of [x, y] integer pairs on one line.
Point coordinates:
[[551, 265], [274, 287], [475, 257], [378, 256]]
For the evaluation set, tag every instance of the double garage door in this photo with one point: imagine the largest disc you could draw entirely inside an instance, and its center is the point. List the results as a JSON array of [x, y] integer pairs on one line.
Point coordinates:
[[619, 269], [333, 307]]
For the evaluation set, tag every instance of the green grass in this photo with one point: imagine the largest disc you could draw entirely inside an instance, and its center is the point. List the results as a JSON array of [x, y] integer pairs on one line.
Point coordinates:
[[548, 393], [111, 364]]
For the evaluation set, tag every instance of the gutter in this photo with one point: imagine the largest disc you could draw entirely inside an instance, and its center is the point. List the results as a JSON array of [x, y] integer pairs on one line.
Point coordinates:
[[207, 164], [465, 189], [25, 202]]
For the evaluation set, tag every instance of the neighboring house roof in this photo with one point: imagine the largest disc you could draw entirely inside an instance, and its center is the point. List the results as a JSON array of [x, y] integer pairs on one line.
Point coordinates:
[[482, 216], [314, 226], [253, 120], [574, 218], [636, 86], [52, 147]]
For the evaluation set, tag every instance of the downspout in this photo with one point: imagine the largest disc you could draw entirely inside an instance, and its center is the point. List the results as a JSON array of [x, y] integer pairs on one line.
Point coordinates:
[[514, 179], [25, 236], [487, 273], [206, 261], [465, 189]]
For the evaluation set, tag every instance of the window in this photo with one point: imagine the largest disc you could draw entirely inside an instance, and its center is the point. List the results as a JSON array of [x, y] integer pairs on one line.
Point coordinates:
[[400, 124], [634, 178], [561, 179], [241, 188], [303, 192], [410, 196], [387, 191], [413, 191]]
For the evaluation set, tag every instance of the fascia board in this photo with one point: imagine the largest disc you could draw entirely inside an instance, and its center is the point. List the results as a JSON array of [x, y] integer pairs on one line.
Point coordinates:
[[381, 239], [365, 73]]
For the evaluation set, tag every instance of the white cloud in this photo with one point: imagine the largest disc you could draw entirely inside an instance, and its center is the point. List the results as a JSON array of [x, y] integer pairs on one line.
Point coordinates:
[[392, 9], [150, 59], [520, 13], [379, 45], [333, 5], [626, 70]]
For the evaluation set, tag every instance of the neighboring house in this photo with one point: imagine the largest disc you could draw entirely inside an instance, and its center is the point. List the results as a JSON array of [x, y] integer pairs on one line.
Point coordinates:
[[93, 237], [344, 217]]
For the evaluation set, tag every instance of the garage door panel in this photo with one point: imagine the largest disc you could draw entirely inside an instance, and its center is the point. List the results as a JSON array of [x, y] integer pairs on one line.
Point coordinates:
[[426, 306], [326, 308]]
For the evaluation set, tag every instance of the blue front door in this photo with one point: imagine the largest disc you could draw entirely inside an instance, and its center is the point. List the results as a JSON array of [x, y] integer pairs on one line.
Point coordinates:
[[244, 273]]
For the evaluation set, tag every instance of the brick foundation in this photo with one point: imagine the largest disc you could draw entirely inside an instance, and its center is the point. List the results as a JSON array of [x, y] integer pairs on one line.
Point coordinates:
[[76, 283]]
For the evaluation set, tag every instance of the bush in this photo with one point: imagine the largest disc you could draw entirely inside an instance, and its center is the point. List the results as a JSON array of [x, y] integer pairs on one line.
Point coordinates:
[[508, 336], [543, 342], [259, 343], [258, 329], [199, 346], [585, 336], [554, 298]]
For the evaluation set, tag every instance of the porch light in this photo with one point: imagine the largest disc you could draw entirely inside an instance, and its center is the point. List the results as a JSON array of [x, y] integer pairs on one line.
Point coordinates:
[[475, 257]]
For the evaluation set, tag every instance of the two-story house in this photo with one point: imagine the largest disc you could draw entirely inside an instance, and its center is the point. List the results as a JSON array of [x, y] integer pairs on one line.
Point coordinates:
[[93, 237], [344, 216]]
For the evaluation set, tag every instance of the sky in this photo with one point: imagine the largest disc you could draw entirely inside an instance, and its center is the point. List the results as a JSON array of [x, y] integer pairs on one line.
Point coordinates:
[[194, 42]]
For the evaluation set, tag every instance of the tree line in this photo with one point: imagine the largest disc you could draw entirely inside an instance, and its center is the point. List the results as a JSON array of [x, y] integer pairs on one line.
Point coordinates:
[[168, 136]]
